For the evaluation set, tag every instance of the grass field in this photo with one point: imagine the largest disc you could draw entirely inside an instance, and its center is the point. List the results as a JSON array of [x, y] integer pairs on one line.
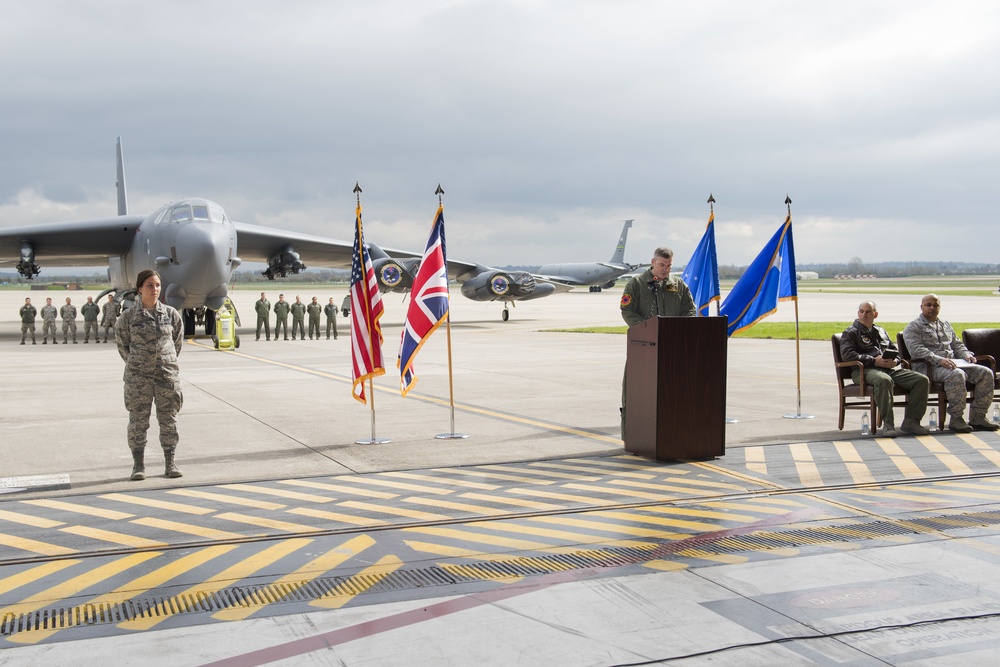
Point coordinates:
[[807, 330]]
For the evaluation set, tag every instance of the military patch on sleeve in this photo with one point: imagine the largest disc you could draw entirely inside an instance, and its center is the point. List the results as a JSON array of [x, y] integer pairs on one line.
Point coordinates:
[[626, 300]]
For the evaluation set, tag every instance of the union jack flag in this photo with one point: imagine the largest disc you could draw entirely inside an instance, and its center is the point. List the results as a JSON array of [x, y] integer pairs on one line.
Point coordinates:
[[429, 302], [366, 309]]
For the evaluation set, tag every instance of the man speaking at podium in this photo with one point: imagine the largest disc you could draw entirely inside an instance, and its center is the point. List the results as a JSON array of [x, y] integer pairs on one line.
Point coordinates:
[[655, 293]]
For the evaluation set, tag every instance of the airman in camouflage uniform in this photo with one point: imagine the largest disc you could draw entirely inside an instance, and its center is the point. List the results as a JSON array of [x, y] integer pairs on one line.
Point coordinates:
[[299, 318], [149, 337], [281, 309], [109, 315], [315, 312], [28, 313], [90, 312], [49, 314], [68, 315], [331, 319]]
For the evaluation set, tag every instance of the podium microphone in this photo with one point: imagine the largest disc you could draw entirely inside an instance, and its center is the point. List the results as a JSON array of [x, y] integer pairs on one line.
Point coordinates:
[[654, 285]]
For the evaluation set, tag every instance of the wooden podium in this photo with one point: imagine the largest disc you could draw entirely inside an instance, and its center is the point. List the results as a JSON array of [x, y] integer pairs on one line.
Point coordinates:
[[675, 388]]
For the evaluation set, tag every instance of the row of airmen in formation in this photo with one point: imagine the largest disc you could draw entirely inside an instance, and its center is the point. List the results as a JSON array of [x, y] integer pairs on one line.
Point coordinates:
[[93, 316]]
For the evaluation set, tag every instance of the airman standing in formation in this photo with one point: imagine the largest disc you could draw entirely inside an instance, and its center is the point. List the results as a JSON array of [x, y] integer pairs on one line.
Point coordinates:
[[90, 312], [28, 313], [299, 318], [330, 310], [315, 313], [281, 317], [49, 313], [68, 315], [263, 308], [109, 317]]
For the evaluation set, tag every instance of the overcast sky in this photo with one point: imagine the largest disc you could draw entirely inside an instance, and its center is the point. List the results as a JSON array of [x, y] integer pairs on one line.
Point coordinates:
[[546, 123]]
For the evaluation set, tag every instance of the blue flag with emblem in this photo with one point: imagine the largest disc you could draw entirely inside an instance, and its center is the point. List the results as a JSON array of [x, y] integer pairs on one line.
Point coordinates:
[[702, 273], [771, 278]]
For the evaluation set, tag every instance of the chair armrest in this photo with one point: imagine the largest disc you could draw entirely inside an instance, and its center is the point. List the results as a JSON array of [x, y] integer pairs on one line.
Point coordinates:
[[860, 367], [988, 361]]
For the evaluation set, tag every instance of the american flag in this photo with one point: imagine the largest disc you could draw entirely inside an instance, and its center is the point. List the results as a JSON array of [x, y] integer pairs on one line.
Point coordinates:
[[366, 309], [429, 302]]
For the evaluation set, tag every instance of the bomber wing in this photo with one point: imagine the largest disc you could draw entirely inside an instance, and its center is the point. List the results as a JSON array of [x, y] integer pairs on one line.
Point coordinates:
[[79, 243]]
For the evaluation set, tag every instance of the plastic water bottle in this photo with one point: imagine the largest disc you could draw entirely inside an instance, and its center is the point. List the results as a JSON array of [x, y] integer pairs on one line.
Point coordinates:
[[996, 414], [865, 430], [932, 420]]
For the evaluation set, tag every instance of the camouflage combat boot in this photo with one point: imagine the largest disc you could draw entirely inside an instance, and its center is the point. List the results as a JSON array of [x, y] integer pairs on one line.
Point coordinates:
[[138, 467], [171, 469]]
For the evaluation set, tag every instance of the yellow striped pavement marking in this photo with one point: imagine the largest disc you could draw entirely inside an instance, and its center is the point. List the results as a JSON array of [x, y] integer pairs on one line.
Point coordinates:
[[340, 488], [755, 459], [458, 507], [867, 534], [78, 509], [515, 502], [684, 524], [29, 520], [359, 583], [69, 589], [402, 486], [546, 474], [15, 581], [906, 466], [228, 500], [729, 559], [613, 528], [338, 517], [583, 500], [619, 492], [294, 580], [446, 481], [588, 472], [885, 494], [113, 537], [952, 493], [984, 450], [470, 537], [143, 584], [665, 565], [187, 528], [691, 481], [978, 486], [804, 465], [262, 522], [747, 505], [394, 511], [952, 462], [479, 573], [601, 467], [856, 466], [687, 489], [281, 493], [500, 476], [445, 550], [246, 567], [34, 546], [158, 504], [563, 535], [705, 514], [770, 500]]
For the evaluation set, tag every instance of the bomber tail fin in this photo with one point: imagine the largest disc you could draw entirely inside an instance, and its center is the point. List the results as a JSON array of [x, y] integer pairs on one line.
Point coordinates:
[[619, 256], [120, 183]]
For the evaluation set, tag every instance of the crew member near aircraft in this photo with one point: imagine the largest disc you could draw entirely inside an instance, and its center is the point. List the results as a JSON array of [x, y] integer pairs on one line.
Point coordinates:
[[937, 352], [298, 318], [263, 308], [868, 343], [68, 315], [90, 312], [28, 314], [149, 339], [330, 310], [655, 293], [109, 315], [281, 309], [315, 313], [49, 314]]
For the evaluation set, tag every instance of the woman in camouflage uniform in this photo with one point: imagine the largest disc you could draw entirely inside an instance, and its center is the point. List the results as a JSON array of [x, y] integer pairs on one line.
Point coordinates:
[[149, 337]]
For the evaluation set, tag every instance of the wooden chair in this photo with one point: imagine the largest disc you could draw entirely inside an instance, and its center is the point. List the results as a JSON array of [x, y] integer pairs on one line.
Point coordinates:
[[985, 344], [935, 388], [856, 396]]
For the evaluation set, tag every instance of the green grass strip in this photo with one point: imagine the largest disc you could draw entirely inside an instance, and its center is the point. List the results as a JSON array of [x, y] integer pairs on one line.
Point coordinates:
[[807, 330]]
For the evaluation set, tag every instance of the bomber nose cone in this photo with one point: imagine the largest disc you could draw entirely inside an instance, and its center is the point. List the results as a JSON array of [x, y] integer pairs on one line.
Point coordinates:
[[203, 257]]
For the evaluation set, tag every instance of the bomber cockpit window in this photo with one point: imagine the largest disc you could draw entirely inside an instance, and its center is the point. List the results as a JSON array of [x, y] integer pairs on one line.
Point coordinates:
[[181, 213], [200, 212], [216, 212]]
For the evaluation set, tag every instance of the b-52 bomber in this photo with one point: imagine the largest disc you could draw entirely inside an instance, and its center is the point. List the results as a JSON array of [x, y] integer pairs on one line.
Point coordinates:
[[195, 247]]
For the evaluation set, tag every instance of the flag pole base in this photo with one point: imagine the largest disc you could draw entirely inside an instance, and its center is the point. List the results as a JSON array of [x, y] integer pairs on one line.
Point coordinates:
[[451, 436], [372, 441], [799, 416]]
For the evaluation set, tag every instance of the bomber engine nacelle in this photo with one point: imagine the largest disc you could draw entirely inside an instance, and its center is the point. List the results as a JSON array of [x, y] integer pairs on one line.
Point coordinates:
[[503, 285], [27, 267], [395, 275], [285, 262]]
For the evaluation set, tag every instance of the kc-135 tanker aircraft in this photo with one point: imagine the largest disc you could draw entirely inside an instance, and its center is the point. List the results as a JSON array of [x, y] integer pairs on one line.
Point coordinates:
[[195, 247]]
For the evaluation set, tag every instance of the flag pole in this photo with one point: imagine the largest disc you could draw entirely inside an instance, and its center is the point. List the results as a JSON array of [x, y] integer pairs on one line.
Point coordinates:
[[798, 364], [452, 435], [371, 342], [711, 212]]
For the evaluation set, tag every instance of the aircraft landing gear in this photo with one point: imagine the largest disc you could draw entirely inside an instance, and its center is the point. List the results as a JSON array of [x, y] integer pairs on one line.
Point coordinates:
[[193, 317], [505, 315]]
